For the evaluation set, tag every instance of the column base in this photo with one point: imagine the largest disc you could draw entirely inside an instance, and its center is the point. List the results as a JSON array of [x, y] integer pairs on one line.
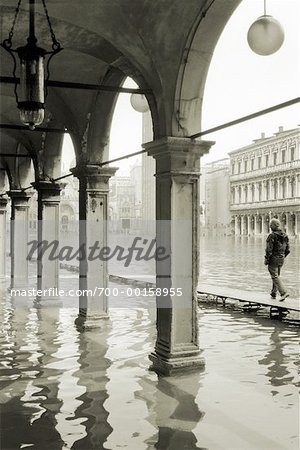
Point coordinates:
[[84, 323], [177, 365]]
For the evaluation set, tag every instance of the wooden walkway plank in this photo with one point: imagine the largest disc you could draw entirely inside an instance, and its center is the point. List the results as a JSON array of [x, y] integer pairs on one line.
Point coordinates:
[[251, 297]]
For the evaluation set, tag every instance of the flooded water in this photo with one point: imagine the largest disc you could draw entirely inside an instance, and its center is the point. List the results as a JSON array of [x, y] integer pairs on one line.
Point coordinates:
[[238, 262], [62, 389]]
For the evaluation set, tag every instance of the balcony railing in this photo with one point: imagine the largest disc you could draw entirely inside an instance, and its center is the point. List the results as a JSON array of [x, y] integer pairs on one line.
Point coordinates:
[[271, 170], [266, 204]]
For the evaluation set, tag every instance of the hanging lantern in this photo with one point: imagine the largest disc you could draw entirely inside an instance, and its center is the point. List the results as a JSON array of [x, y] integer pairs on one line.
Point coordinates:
[[31, 95], [139, 103], [266, 35]]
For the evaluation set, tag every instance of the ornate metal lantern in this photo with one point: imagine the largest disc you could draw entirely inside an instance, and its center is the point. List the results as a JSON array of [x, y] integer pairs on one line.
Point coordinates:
[[32, 93]]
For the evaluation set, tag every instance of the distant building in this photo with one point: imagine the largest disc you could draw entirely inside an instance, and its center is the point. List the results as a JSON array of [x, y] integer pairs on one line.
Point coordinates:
[[125, 201], [265, 183], [217, 197]]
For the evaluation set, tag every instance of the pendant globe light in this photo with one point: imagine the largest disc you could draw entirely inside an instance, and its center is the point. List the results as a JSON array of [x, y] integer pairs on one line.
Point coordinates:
[[266, 35], [139, 103], [30, 96]]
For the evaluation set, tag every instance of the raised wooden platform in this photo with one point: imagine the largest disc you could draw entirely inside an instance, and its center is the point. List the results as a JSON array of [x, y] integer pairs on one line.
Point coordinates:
[[252, 300]]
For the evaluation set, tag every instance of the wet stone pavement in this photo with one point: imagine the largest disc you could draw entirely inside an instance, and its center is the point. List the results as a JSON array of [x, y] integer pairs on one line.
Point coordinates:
[[64, 389]]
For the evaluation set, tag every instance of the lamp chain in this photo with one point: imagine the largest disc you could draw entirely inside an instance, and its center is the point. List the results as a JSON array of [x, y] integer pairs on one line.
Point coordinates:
[[8, 42], [55, 43]]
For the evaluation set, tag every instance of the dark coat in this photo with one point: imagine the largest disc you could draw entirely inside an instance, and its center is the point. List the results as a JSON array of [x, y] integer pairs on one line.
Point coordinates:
[[277, 248]]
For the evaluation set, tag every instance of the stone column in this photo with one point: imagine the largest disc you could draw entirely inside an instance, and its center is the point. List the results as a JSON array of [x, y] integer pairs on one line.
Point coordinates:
[[249, 225], [19, 238], [265, 224], [297, 185], [296, 224], [48, 236], [256, 225], [236, 226], [280, 182], [93, 226], [256, 192], [3, 203], [243, 225], [288, 186], [287, 225], [272, 189], [243, 194], [264, 190], [177, 211]]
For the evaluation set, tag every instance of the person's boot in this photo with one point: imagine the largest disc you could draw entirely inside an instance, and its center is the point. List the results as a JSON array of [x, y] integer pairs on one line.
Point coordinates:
[[283, 296]]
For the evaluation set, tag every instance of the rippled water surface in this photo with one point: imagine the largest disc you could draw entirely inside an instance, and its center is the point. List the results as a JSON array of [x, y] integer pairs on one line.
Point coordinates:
[[62, 389]]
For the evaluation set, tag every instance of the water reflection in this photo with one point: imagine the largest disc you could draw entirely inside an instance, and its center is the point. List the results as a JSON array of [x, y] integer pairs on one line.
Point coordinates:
[[177, 413], [92, 377], [276, 361], [67, 390]]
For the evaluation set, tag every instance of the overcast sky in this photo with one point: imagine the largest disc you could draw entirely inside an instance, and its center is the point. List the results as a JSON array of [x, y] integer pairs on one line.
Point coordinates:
[[239, 82]]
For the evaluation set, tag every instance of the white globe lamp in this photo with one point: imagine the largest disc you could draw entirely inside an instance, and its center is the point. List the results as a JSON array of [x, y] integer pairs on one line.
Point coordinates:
[[139, 103], [265, 36]]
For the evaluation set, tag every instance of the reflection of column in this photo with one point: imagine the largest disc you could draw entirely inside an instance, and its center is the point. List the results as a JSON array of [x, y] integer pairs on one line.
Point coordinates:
[[48, 230], [93, 216], [45, 385], [3, 203], [177, 204], [19, 238], [168, 414], [91, 412]]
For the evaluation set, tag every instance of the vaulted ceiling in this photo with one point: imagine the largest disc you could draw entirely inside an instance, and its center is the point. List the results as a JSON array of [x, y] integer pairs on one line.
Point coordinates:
[[165, 45]]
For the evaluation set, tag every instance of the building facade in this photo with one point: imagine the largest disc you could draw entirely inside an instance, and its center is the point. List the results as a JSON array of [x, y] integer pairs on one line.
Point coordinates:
[[217, 197], [265, 183]]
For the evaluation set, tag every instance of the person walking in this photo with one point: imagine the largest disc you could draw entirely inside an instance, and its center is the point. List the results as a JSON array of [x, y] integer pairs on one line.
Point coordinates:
[[277, 248]]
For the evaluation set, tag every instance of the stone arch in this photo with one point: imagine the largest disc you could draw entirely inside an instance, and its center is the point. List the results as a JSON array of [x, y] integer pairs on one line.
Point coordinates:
[[196, 58]]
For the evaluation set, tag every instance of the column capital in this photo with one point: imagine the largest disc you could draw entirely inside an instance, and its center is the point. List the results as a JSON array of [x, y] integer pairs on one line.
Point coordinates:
[[47, 188], [3, 203], [178, 155], [19, 198], [19, 194], [95, 176], [93, 170]]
